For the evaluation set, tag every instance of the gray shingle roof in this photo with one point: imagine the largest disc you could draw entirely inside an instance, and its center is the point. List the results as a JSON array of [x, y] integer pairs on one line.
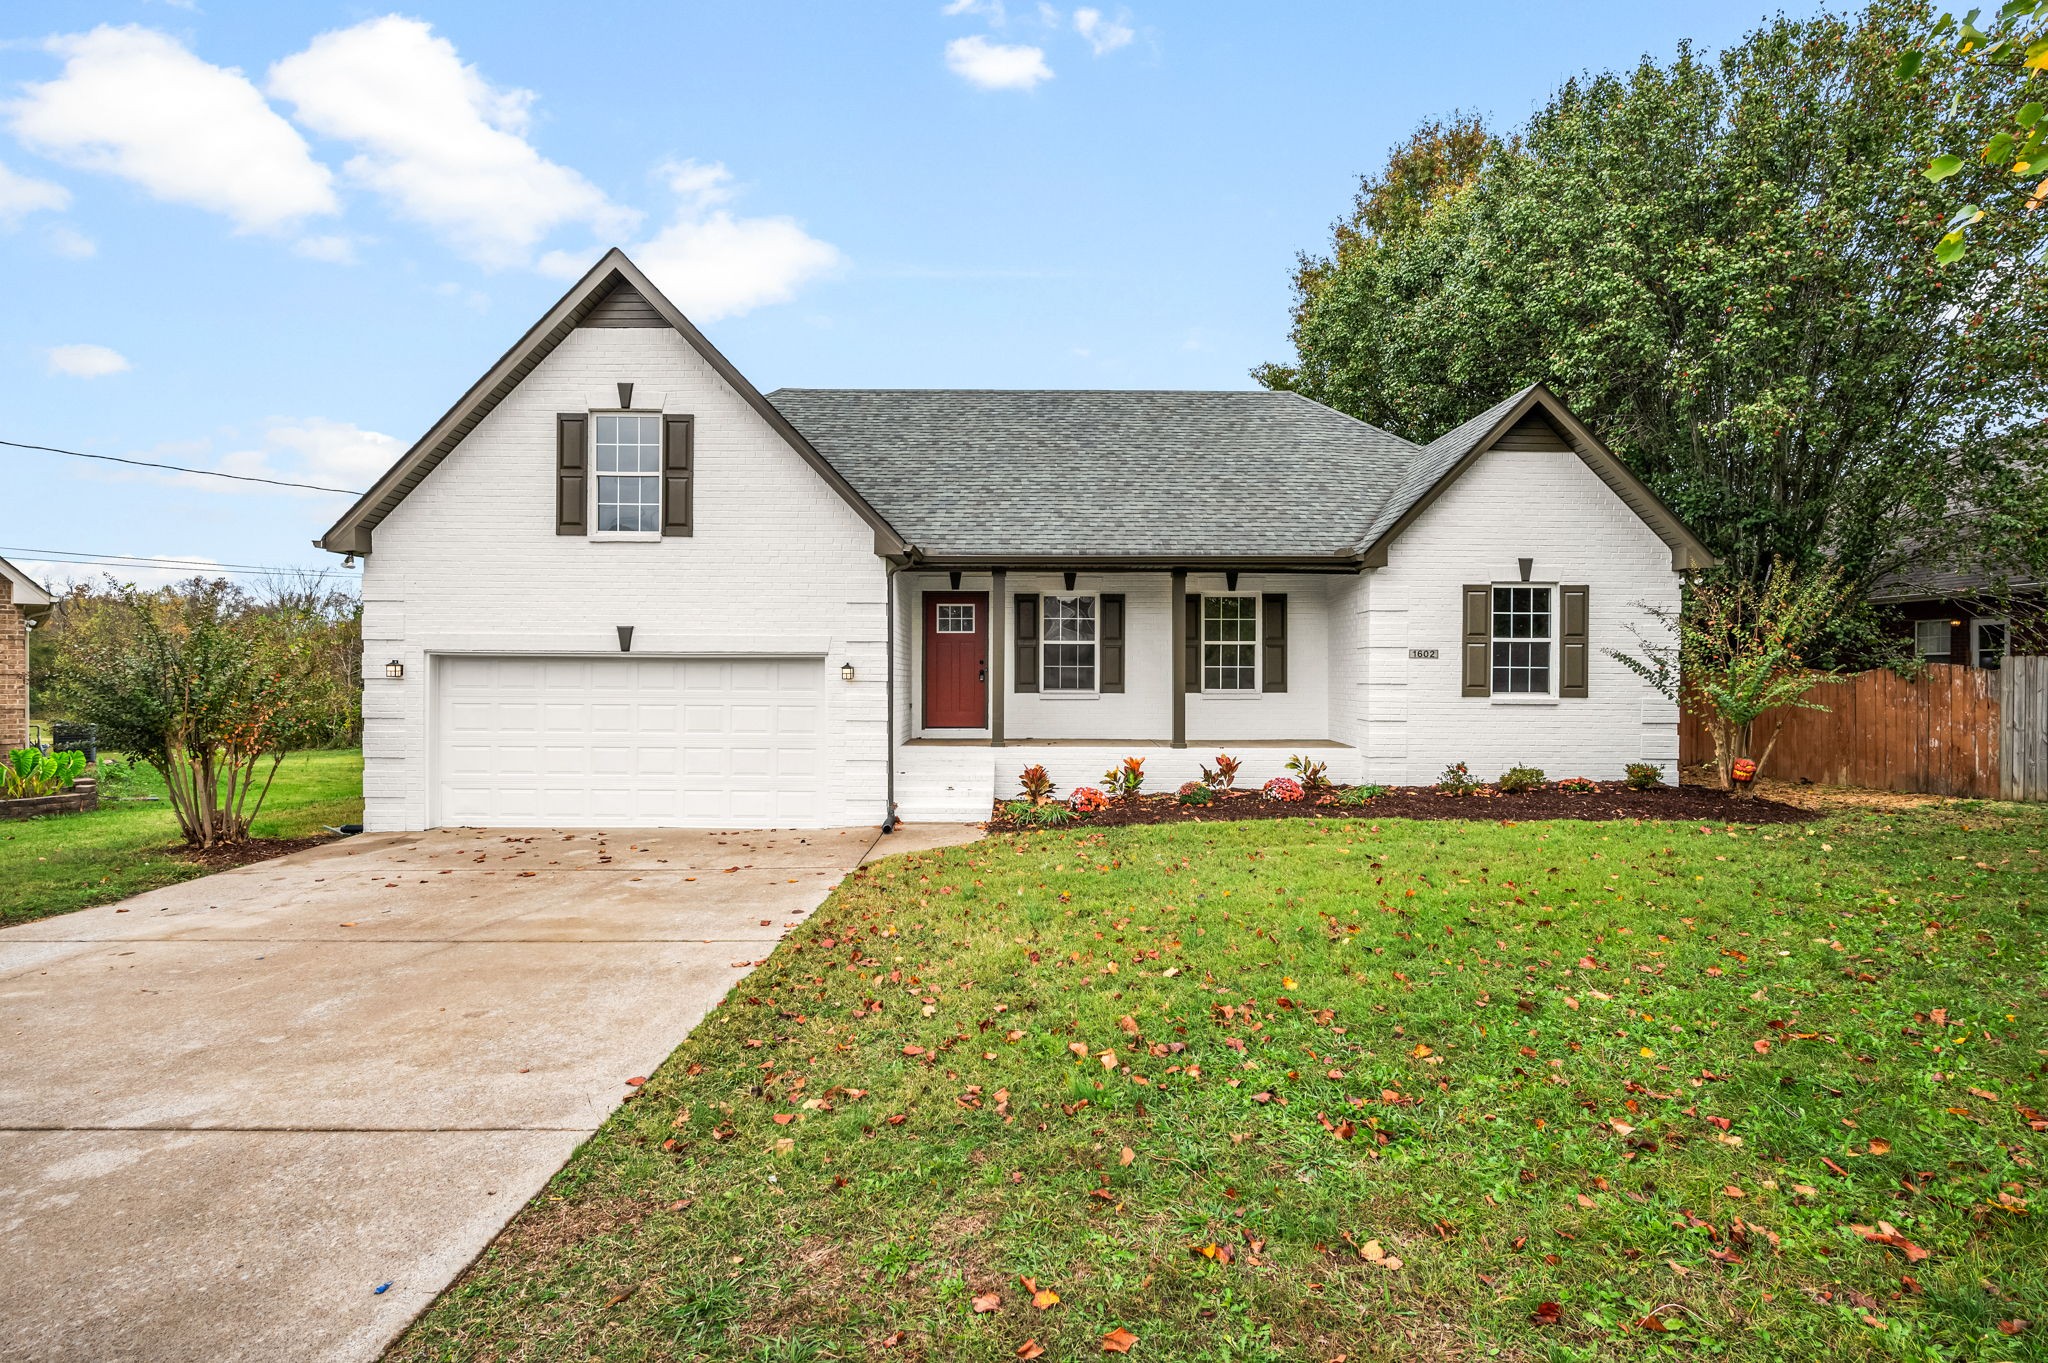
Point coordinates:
[[1436, 459], [981, 473]]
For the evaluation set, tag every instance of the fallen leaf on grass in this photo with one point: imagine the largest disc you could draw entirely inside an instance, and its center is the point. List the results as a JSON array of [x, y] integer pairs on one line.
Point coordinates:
[[1880, 1147], [1884, 1233], [891, 1341], [1118, 1341], [2011, 1327], [1547, 1313], [1127, 1156], [1030, 1348], [1044, 1298], [987, 1302]]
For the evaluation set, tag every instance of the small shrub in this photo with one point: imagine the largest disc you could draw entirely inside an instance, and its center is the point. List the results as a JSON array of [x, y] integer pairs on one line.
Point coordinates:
[[1019, 810], [1195, 793], [1359, 795], [1516, 779], [1456, 780], [1643, 775], [1087, 800], [1222, 776], [1126, 778], [1578, 785], [1036, 783], [1283, 788], [1052, 812], [1314, 776]]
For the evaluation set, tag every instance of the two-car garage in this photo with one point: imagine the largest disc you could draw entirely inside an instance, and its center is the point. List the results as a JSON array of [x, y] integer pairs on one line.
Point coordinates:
[[627, 742]]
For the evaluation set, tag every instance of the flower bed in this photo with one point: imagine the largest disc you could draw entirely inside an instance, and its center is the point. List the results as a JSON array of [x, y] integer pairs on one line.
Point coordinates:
[[1600, 800], [84, 794]]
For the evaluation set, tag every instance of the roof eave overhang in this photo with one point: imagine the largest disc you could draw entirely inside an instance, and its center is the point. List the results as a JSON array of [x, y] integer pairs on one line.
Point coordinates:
[[1688, 553], [353, 533], [1149, 562]]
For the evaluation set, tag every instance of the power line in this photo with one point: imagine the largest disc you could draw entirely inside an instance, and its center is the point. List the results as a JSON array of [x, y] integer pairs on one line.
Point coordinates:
[[87, 558], [182, 468]]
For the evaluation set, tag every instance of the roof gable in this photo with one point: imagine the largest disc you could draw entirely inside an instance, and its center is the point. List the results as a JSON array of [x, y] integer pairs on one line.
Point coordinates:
[[1533, 419], [613, 294], [29, 595]]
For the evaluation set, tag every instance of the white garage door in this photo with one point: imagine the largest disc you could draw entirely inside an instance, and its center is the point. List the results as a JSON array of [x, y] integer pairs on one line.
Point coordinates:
[[647, 742]]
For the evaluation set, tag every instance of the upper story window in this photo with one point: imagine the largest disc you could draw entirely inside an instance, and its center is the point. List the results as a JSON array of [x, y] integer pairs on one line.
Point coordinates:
[[628, 467], [1230, 643], [1522, 634], [1070, 643]]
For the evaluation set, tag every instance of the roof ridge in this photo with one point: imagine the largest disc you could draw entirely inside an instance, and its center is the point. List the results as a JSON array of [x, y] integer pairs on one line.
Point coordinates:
[[1063, 392]]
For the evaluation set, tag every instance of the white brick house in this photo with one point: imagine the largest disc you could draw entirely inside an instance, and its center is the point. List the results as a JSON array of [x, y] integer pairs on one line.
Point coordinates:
[[616, 585]]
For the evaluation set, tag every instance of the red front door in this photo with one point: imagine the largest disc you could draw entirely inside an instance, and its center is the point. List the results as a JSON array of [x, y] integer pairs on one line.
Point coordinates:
[[955, 660]]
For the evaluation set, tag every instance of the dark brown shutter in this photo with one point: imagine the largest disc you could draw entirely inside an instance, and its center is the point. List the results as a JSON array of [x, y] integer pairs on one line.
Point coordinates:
[[571, 454], [678, 459], [1478, 670], [1027, 642], [1112, 678], [1192, 685], [1571, 638], [1273, 642]]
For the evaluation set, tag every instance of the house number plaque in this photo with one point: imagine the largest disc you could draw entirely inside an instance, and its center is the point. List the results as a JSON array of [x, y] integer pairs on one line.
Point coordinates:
[[1422, 653]]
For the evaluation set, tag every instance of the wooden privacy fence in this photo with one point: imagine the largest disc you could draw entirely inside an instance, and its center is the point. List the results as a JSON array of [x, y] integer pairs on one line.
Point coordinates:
[[1953, 731]]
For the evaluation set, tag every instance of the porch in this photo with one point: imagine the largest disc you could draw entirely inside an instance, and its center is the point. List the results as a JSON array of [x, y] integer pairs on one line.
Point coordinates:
[[1000, 669]]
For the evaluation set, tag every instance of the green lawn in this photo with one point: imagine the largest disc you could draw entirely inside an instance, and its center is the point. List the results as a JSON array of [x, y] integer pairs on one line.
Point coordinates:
[[1602, 1090], [73, 861]]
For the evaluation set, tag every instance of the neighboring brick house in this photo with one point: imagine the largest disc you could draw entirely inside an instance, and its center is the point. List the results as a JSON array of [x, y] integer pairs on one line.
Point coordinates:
[[617, 585], [1970, 618], [22, 601]]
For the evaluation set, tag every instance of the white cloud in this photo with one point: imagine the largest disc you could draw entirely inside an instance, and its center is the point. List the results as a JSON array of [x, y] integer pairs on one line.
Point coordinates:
[[20, 195], [72, 244], [992, 8], [333, 249], [86, 361], [315, 450], [997, 66], [711, 262], [135, 103], [150, 570], [447, 147], [1103, 34]]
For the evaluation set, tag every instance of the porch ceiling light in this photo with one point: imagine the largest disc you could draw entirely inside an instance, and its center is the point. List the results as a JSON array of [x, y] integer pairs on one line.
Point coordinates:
[[394, 669]]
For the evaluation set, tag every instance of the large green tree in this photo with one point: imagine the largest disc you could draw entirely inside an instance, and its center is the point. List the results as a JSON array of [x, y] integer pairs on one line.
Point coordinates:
[[1725, 266]]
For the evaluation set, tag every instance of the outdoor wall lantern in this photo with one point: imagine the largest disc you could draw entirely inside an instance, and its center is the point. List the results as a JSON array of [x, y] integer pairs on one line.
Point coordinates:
[[846, 671], [394, 669]]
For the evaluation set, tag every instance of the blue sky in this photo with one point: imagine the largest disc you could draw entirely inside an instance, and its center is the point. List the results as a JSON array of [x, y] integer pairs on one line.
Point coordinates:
[[282, 239]]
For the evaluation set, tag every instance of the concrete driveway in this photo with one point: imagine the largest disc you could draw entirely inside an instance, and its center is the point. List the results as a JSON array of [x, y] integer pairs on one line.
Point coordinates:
[[231, 1109]]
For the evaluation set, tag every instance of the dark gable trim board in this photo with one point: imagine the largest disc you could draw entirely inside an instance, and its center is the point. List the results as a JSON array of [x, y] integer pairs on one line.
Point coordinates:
[[596, 290], [1510, 432]]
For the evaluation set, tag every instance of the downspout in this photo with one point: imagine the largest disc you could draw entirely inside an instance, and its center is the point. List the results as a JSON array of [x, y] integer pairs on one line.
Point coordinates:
[[889, 673]]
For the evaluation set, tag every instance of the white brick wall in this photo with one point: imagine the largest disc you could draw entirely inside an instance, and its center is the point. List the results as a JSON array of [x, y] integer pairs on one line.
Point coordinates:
[[1510, 505], [470, 562]]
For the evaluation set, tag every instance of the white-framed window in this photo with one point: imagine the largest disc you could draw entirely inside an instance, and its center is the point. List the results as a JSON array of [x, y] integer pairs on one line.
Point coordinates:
[[1987, 642], [1931, 639], [1230, 643], [1068, 662], [626, 454], [1524, 633], [956, 617]]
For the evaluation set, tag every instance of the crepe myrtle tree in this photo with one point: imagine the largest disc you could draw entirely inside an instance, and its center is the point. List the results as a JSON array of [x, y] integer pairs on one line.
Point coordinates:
[[210, 692], [1735, 654]]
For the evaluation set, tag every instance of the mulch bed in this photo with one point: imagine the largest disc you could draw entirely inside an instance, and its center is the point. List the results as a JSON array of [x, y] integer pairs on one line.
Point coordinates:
[[1612, 800], [230, 855]]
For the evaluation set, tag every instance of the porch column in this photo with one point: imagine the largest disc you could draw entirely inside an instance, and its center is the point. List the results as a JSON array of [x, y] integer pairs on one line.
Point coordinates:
[[998, 649], [1176, 611]]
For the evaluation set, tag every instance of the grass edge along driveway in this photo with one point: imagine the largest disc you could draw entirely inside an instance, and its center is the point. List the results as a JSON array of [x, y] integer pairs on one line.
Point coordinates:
[[64, 862], [1393, 1090]]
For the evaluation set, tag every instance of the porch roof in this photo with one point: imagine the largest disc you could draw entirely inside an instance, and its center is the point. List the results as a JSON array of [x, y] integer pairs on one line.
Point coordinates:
[[1022, 475]]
